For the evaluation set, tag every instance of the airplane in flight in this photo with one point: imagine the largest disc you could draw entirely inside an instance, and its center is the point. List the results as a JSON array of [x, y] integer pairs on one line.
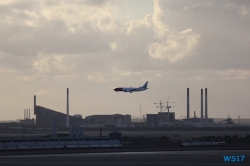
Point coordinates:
[[130, 90]]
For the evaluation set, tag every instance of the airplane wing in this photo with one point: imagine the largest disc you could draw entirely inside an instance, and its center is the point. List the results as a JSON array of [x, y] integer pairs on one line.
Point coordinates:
[[134, 89]]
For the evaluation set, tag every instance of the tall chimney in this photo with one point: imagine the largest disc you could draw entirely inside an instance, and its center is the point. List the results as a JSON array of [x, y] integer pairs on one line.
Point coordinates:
[[201, 105], [67, 116], [206, 118], [29, 113], [188, 104], [34, 104], [24, 114]]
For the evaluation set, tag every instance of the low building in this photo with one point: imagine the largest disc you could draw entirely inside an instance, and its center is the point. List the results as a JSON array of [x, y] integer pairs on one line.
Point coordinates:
[[117, 120], [28, 121], [156, 120], [197, 120]]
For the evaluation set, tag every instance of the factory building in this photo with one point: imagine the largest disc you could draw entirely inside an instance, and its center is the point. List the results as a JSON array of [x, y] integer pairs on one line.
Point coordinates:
[[44, 117], [156, 120], [117, 120], [197, 120]]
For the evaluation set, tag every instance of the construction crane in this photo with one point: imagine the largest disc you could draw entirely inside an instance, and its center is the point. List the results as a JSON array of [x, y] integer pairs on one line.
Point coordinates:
[[167, 107], [160, 105]]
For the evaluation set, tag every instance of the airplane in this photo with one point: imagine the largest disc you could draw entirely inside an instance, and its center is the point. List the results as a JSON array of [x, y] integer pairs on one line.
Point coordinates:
[[130, 90]]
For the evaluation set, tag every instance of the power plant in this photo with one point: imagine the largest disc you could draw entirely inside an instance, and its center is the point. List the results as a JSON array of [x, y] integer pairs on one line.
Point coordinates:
[[45, 116], [202, 122], [51, 124], [168, 118]]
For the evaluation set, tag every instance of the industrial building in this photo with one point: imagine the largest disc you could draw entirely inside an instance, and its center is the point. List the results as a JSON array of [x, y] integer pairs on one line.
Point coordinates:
[[160, 119], [116, 120], [44, 117], [168, 119]]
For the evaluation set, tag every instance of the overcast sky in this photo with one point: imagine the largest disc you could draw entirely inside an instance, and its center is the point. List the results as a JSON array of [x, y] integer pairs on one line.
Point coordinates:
[[94, 46]]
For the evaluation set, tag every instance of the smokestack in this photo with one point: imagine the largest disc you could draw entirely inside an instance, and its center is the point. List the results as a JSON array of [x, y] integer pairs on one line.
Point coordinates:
[[201, 105], [188, 104], [24, 114], [67, 116], [29, 113], [206, 118], [34, 104]]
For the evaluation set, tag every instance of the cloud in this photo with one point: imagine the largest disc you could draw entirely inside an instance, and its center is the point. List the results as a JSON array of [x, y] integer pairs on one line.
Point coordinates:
[[8, 71], [42, 92], [48, 45], [29, 27], [48, 62], [169, 44], [77, 15], [234, 74], [175, 48], [158, 75], [96, 78], [244, 11], [25, 78], [64, 38], [113, 46]]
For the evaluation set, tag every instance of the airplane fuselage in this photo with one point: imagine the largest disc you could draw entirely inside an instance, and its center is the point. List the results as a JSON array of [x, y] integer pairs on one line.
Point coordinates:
[[131, 90]]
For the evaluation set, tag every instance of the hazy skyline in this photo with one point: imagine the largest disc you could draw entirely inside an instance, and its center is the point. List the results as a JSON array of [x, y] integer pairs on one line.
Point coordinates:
[[92, 47]]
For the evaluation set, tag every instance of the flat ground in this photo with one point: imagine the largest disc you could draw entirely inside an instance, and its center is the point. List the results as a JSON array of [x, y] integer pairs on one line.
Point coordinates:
[[183, 158]]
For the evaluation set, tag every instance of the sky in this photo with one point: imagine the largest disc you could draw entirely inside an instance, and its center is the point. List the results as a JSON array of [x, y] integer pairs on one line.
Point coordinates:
[[94, 46]]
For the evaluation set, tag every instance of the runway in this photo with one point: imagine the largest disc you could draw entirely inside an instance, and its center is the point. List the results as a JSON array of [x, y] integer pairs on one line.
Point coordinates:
[[183, 158]]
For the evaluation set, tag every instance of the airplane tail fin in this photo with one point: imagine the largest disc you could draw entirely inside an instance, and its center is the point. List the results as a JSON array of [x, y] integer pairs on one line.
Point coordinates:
[[145, 85]]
